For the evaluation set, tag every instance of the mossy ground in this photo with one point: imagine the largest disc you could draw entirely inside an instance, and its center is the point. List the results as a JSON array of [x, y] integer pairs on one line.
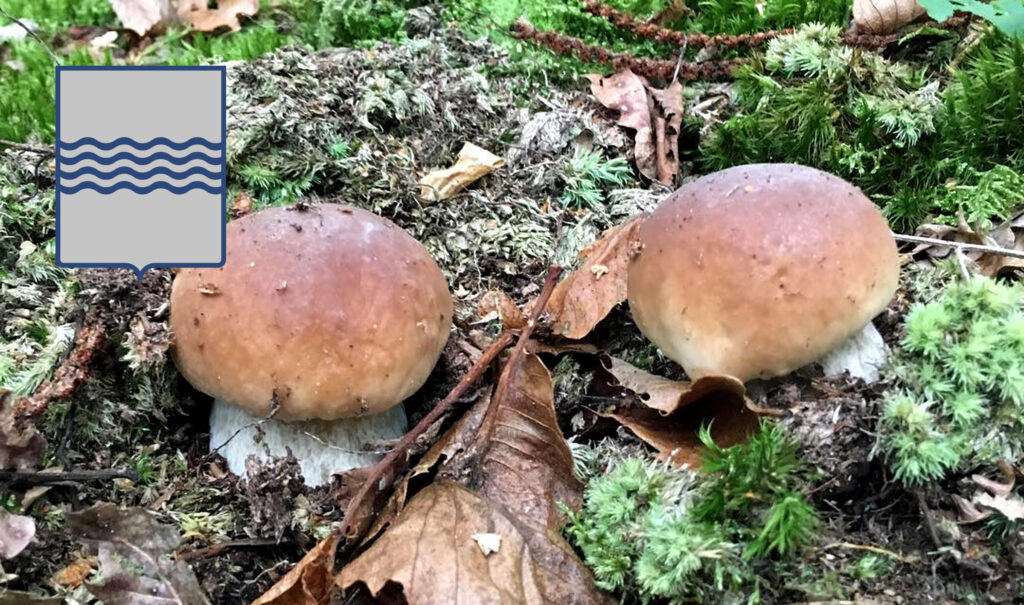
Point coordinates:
[[361, 125]]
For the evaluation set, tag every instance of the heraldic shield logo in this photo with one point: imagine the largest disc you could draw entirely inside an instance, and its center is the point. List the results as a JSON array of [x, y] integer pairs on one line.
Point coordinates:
[[141, 167]]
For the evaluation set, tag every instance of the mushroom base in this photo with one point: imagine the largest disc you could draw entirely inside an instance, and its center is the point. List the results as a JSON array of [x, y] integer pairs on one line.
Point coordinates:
[[862, 355], [322, 447]]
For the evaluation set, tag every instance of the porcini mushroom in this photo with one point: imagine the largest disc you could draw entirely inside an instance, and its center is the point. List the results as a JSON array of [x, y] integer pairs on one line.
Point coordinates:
[[325, 317], [757, 270]]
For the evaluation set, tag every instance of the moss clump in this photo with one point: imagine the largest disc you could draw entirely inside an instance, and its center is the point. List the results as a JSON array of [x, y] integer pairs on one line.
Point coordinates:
[[657, 532], [960, 375]]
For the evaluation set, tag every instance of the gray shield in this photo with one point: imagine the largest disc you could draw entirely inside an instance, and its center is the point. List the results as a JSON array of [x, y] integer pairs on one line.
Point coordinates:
[[141, 168]]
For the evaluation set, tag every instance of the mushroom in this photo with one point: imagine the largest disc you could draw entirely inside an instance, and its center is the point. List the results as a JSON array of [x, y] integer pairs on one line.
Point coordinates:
[[324, 319], [757, 270]]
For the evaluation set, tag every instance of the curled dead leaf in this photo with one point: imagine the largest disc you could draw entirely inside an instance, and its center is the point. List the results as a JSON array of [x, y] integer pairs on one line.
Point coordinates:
[[473, 163], [585, 297], [665, 395], [673, 412], [76, 573], [655, 114], [1008, 235], [884, 16]]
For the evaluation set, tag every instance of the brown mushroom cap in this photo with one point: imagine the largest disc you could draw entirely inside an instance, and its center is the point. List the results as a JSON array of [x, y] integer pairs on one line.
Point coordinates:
[[757, 270], [335, 311]]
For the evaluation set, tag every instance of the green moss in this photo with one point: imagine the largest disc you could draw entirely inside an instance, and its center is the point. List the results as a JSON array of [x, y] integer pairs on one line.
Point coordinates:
[[959, 402], [52, 15], [660, 533]]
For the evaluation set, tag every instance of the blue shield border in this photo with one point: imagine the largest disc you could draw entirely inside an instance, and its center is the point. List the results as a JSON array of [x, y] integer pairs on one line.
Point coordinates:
[[139, 272]]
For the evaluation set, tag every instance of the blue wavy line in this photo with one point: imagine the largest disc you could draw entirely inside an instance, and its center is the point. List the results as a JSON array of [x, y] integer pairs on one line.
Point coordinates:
[[72, 145], [141, 175], [124, 155], [140, 190]]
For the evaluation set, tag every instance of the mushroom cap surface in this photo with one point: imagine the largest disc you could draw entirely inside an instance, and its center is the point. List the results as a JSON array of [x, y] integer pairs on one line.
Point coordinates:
[[756, 270], [335, 311]]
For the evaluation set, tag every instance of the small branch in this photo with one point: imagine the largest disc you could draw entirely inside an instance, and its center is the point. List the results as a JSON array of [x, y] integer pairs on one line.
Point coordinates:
[[53, 56], [644, 66], [381, 474], [275, 407], [876, 550], [217, 549], [26, 147], [962, 246], [48, 478]]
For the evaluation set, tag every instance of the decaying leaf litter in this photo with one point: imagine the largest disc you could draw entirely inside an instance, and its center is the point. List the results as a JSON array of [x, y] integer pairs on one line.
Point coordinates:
[[403, 118]]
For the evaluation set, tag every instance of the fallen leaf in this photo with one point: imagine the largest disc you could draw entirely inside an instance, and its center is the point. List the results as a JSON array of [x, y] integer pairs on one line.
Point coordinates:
[[994, 487], [665, 395], [503, 308], [75, 574], [673, 412], [521, 468], [583, 298], [473, 163], [136, 555], [16, 532], [884, 16], [310, 582], [1011, 507], [21, 445], [655, 114], [144, 16], [225, 15]]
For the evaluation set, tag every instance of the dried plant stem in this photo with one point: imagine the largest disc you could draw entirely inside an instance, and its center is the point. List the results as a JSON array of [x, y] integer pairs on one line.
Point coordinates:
[[644, 66], [53, 56], [44, 149], [959, 245], [51, 478]]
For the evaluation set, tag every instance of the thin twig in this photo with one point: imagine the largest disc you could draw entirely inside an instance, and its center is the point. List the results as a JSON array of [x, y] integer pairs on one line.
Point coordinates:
[[50, 478], [961, 245], [44, 149], [875, 549], [275, 407], [46, 46]]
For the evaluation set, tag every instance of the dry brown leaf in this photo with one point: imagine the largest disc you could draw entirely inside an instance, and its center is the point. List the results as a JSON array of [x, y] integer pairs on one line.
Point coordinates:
[[225, 15], [74, 574], [521, 468], [667, 395], [655, 114], [668, 119], [585, 296], [144, 16], [242, 205], [503, 308], [310, 582], [473, 164], [884, 16], [136, 557], [16, 532], [674, 412]]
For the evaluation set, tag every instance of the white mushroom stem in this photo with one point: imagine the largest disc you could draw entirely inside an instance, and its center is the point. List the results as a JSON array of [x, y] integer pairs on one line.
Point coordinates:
[[322, 447], [862, 355]]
